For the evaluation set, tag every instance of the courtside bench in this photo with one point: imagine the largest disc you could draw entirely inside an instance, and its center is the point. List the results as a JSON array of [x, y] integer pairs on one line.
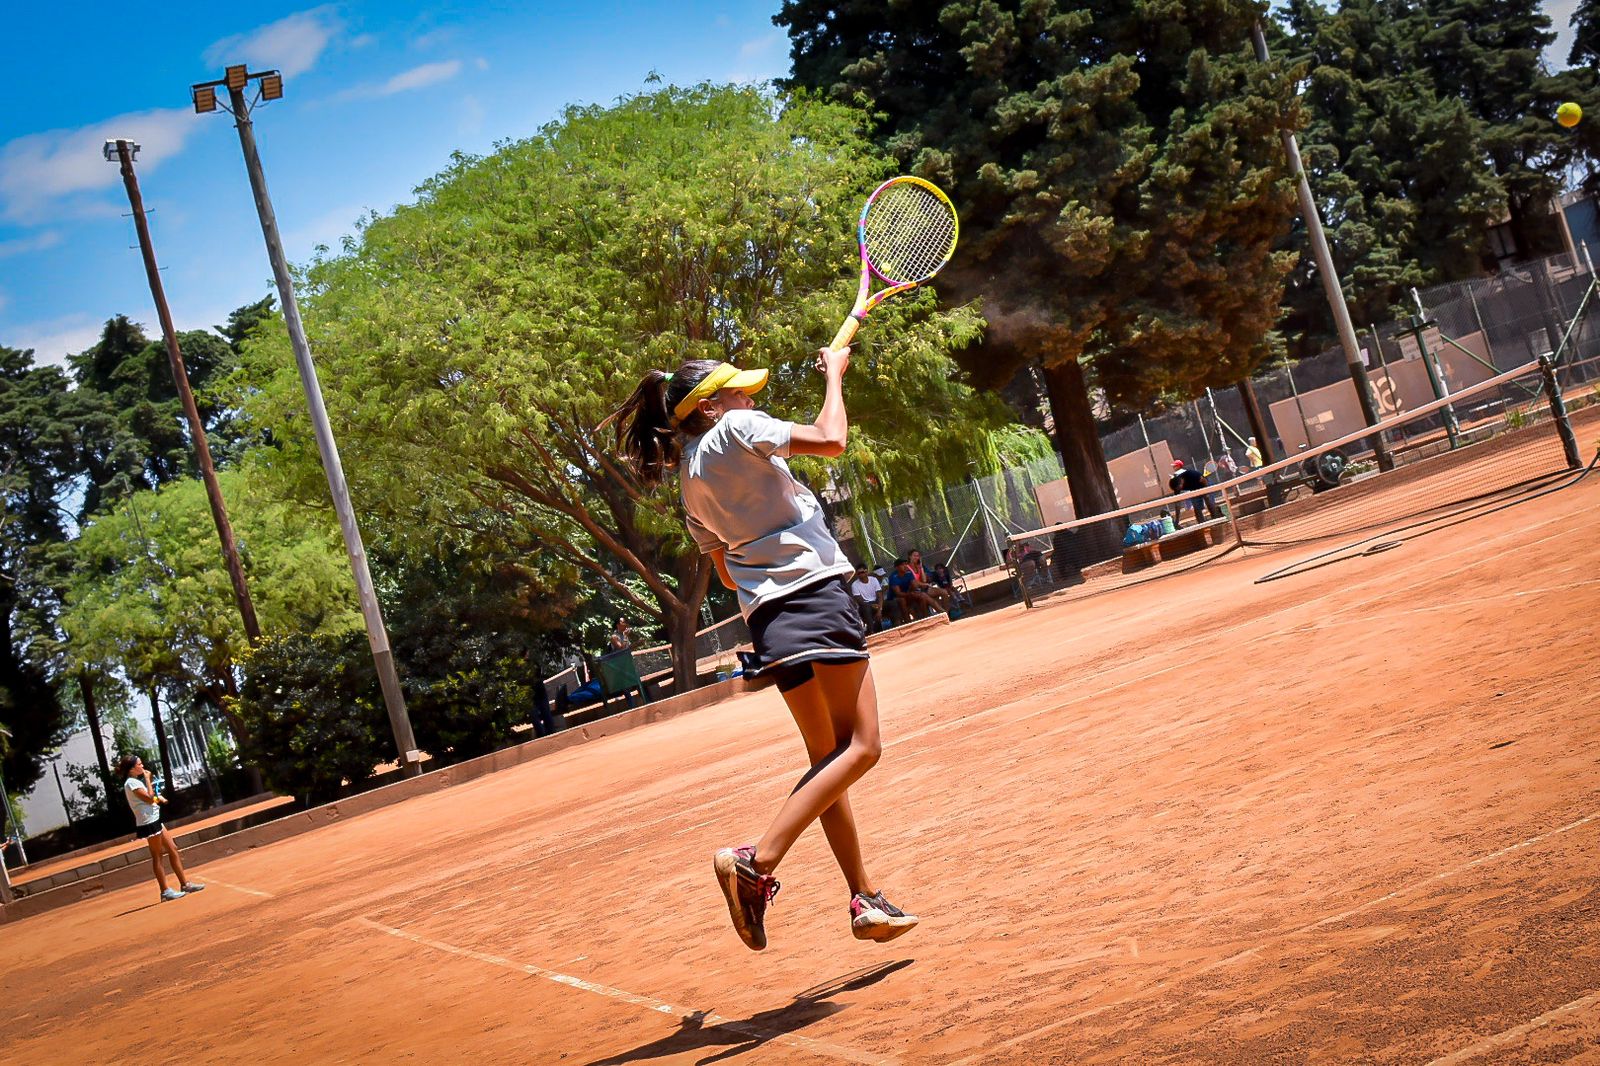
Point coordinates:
[[1183, 541]]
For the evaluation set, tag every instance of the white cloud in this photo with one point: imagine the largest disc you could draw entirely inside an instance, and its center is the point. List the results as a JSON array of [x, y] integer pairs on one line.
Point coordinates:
[[53, 340], [41, 169], [416, 78], [291, 45], [421, 77], [757, 59], [23, 245]]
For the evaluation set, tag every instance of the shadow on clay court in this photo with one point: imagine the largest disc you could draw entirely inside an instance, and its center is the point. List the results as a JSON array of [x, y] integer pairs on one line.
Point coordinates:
[[136, 910], [739, 1036]]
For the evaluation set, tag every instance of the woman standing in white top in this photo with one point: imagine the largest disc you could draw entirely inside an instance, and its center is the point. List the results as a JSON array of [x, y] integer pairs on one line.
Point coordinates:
[[146, 808], [768, 538]]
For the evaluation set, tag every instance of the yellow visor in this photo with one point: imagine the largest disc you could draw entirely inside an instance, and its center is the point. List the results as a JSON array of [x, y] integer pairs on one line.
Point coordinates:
[[725, 376]]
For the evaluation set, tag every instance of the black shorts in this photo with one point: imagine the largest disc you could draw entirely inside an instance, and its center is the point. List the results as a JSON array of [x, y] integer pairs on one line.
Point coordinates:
[[144, 831], [815, 623]]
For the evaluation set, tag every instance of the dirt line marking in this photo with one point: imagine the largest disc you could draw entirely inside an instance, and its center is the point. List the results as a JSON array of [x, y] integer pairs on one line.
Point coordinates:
[[816, 1047], [1511, 1036], [240, 888]]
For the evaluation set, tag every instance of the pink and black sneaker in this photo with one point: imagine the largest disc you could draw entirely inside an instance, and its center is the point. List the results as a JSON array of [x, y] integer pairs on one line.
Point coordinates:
[[748, 893], [875, 918]]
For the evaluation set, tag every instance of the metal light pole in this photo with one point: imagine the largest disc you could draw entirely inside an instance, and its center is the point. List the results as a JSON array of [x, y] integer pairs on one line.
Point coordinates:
[[123, 151], [271, 88], [1330, 280]]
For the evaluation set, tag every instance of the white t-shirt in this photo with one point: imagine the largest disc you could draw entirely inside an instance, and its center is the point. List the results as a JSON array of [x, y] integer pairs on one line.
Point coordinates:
[[143, 813], [867, 589], [740, 497]]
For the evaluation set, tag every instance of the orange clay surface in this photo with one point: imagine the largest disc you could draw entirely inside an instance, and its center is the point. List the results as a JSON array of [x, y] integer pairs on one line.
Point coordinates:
[[1351, 816]]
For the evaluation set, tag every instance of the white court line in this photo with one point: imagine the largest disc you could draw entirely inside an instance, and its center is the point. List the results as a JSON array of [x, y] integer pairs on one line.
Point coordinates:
[[240, 888], [804, 1043], [1160, 986], [1511, 1036]]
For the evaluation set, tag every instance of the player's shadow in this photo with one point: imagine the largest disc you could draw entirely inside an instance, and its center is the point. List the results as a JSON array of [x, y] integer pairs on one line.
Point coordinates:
[[738, 1036]]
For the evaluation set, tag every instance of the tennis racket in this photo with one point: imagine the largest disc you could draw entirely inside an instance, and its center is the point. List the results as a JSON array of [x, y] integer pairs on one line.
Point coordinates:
[[907, 234]]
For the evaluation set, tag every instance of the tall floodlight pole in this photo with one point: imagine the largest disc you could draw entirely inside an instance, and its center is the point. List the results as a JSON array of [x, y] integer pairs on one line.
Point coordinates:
[[271, 88], [1330, 279], [123, 151]]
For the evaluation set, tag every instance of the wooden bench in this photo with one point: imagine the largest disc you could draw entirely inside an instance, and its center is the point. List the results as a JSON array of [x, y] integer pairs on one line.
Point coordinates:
[[1190, 539], [1139, 556]]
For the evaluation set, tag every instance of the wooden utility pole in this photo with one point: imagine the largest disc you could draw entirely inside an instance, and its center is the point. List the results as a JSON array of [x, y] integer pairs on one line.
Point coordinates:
[[124, 151]]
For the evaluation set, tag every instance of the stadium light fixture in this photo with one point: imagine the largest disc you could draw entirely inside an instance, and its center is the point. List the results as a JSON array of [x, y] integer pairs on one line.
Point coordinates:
[[205, 98], [271, 88]]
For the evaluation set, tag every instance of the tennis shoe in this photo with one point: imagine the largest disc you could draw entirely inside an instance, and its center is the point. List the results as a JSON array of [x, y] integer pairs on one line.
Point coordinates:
[[168, 894], [193, 886], [748, 893], [875, 918]]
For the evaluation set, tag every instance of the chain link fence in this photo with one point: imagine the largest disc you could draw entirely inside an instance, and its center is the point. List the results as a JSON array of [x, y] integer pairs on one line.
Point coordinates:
[[1471, 331]]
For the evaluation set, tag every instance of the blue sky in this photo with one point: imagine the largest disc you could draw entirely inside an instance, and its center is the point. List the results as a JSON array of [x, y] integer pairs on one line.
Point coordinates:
[[377, 96]]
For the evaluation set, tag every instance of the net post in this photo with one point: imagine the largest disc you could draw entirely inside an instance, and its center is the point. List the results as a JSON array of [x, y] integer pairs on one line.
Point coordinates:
[[1558, 412], [1230, 501]]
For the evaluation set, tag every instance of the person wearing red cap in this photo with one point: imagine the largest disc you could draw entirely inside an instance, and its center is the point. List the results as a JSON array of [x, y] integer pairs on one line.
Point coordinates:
[[769, 541], [1184, 480]]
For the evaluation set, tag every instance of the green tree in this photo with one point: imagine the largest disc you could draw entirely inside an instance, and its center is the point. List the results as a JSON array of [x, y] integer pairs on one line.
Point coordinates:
[[1119, 174], [1489, 54], [49, 433], [1400, 173], [314, 716], [471, 343], [150, 597]]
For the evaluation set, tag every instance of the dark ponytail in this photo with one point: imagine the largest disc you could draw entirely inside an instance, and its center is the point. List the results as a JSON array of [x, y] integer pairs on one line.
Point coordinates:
[[124, 765], [647, 439]]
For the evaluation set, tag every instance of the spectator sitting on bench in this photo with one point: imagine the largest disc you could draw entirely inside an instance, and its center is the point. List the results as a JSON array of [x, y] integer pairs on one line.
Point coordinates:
[[903, 584], [925, 585], [1185, 480], [867, 591], [1027, 561]]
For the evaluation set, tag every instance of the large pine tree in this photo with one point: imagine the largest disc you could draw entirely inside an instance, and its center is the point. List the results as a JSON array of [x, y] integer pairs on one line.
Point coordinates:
[[1399, 172], [1119, 174], [1489, 54]]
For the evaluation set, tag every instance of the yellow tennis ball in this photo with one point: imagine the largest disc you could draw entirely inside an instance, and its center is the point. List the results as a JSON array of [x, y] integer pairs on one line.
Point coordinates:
[[1568, 114]]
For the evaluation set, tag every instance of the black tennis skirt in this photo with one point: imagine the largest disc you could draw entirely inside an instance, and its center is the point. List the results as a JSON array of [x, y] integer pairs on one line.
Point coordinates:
[[814, 623]]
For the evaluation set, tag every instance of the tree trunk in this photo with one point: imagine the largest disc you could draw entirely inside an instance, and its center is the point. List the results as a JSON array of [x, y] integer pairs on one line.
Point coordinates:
[[91, 710], [1083, 459], [683, 622], [161, 738]]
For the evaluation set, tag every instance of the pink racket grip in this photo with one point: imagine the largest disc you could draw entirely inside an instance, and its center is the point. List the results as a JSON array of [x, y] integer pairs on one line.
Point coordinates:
[[846, 334]]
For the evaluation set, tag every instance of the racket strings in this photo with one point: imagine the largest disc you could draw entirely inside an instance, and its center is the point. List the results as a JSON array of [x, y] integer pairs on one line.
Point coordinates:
[[909, 233]]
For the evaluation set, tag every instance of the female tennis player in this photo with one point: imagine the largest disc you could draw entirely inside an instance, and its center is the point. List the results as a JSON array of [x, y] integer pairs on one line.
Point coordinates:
[[146, 805], [769, 541]]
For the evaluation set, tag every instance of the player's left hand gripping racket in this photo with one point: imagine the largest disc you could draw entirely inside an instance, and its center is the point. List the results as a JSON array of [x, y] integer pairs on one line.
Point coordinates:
[[907, 233]]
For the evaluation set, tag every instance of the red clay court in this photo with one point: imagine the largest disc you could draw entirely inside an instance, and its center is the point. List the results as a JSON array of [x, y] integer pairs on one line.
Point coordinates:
[[1351, 815]]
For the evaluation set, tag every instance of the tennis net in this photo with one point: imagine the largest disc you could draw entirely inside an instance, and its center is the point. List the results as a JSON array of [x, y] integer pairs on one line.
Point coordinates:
[[1484, 444]]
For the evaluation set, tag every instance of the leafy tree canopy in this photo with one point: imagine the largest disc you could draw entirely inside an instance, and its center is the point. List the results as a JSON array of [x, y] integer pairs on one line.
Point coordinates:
[[471, 343], [149, 594], [1117, 166]]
